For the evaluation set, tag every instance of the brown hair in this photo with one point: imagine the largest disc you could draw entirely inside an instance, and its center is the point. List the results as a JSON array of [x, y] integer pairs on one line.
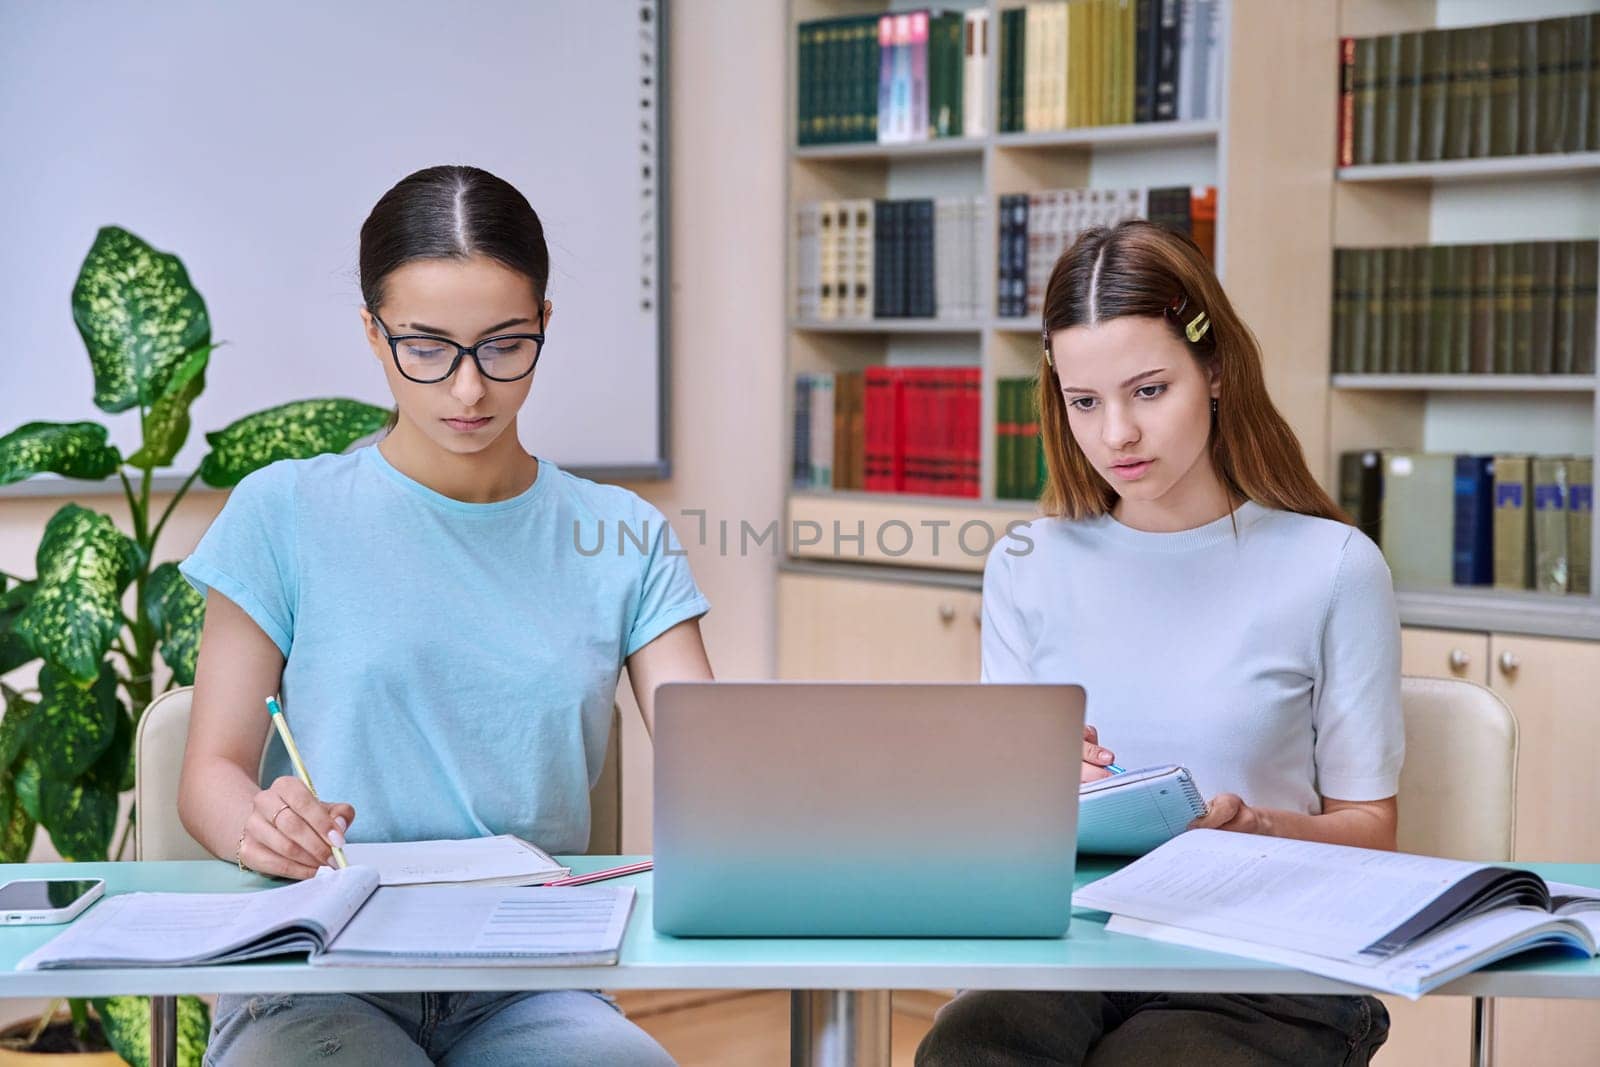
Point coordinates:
[[1137, 268]]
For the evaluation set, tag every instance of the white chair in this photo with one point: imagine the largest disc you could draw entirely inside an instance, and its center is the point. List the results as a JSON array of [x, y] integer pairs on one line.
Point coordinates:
[[164, 733], [1458, 789]]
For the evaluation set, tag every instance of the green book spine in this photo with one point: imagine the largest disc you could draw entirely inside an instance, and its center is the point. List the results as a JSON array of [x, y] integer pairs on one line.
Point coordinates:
[[1397, 285], [1003, 439], [1418, 502], [1377, 317], [1505, 67], [1522, 307], [955, 28], [805, 90], [1483, 320], [1342, 259], [1458, 95], [1421, 308], [1480, 77], [1580, 523], [1566, 309], [1357, 303], [1579, 47], [1528, 89], [1583, 318], [1408, 99], [1513, 529], [1388, 102], [1544, 306], [1019, 71], [1364, 94], [1553, 102], [1459, 296], [1441, 312], [1505, 302], [1435, 95], [1592, 138]]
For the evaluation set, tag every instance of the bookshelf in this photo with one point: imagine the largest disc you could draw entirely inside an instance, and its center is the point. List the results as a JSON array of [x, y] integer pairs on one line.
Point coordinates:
[[1234, 152], [1550, 196]]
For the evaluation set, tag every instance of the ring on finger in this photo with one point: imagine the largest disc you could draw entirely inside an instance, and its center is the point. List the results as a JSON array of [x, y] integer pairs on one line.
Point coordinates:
[[275, 815]]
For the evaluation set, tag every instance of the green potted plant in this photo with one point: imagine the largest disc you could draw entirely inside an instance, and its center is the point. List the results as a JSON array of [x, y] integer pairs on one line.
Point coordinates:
[[99, 608]]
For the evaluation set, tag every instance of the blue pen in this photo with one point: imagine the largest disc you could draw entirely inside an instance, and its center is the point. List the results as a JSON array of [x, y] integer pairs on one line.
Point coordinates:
[[1114, 769]]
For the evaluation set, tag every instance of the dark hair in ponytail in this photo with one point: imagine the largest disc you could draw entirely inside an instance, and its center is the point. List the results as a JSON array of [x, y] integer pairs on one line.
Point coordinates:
[[451, 213]]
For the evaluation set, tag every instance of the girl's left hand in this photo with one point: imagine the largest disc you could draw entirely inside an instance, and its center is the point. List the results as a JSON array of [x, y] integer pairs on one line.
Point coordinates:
[[1226, 811]]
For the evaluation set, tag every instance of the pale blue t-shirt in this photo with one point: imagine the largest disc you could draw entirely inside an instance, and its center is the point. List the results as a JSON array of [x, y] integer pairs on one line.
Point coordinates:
[[450, 667]]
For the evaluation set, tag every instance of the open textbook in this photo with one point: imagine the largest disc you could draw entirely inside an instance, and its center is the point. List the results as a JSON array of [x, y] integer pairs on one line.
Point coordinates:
[[1386, 920], [343, 918]]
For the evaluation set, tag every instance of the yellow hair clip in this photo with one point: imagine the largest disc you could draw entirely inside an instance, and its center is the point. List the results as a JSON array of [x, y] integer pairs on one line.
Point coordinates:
[[1197, 328]]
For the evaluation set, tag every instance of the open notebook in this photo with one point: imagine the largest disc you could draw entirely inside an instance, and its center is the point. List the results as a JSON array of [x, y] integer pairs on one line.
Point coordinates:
[[343, 918], [501, 860], [1386, 920]]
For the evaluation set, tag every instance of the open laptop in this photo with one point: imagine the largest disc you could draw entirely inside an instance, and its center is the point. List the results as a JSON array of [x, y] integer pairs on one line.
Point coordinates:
[[843, 809]]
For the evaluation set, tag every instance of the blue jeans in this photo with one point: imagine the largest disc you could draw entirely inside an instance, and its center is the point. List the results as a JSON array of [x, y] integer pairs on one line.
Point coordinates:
[[1000, 1029], [570, 1028]]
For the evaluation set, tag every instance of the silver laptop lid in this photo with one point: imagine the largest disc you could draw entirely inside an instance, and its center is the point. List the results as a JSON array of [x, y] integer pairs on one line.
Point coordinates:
[[840, 809]]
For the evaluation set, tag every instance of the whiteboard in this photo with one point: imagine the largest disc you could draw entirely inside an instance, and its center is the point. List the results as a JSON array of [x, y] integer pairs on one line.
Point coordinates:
[[252, 141]]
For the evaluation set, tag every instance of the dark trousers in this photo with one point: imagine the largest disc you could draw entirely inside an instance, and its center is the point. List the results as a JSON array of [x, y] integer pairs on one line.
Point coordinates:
[[1011, 1029]]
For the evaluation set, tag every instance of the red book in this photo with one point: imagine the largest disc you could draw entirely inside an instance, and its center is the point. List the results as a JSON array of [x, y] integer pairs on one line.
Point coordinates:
[[897, 451], [919, 398], [1347, 101], [974, 439]]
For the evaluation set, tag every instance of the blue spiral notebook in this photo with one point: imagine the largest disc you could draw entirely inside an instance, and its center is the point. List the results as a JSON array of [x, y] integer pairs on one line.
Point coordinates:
[[1133, 812]]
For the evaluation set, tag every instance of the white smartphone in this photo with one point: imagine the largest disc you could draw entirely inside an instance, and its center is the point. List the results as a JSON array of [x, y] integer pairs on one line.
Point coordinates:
[[42, 901]]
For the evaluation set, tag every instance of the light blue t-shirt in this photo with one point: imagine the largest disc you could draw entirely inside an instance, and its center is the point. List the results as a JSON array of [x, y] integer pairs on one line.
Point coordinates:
[[450, 667]]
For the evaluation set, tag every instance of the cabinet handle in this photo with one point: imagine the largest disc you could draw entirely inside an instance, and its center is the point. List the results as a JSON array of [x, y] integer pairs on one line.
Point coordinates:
[[1509, 663], [1459, 660], [947, 614]]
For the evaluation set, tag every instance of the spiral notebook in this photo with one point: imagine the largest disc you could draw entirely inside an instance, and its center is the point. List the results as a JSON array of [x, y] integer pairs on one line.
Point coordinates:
[[1133, 812]]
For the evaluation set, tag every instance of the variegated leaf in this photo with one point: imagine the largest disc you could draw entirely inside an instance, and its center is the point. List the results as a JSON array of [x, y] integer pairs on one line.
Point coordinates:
[[84, 564], [166, 425], [178, 613], [27, 783], [71, 449], [145, 326], [14, 651], [126, 1021], [299, 430], [14, 726], [79, 814], [74, 724], [16, 826]]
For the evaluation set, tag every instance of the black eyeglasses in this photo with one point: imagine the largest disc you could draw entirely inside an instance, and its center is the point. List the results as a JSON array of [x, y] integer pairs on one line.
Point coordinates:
[[426, 359]]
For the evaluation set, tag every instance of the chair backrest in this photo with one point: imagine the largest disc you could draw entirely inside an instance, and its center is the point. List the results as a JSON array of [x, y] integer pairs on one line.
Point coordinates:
[[164, 733], [1458, 785]]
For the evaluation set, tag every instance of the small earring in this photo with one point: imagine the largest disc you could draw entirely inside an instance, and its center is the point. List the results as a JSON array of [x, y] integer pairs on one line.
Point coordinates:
[[1213, 405]]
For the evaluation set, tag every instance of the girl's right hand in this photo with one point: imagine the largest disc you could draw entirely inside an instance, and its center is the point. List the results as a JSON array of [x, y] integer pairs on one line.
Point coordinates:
[[1095, 758], [291, 833]]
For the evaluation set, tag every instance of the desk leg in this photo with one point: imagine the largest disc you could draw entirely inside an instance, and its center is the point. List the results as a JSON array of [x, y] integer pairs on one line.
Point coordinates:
[[1482, 1032], [839, 1028], [163, 1032]]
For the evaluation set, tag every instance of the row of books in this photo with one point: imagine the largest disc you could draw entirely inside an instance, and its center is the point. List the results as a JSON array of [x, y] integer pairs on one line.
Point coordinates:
[[1469, 92], [1515, 522], [862, 259], [1107, 62], [1019, 458], [907, 76], [1035, 228], [889, 430], [1523, 307]]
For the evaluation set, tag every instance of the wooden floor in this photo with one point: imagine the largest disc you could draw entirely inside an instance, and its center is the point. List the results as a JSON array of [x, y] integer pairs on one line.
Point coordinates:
[[742, 1028]]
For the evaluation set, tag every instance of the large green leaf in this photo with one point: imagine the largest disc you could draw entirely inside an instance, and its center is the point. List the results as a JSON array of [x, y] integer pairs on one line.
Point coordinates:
[[14, 726], [144, 325], [127, 1025], [177, 612], [16, 826], [166, 424], [14, 651], [74, 724], [80, 815], [72, 449], [27, 783], [114, 768], [84, 564], [293, 431]]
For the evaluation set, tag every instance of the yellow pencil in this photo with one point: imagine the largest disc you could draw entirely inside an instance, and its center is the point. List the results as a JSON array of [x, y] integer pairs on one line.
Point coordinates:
[[282, 724]]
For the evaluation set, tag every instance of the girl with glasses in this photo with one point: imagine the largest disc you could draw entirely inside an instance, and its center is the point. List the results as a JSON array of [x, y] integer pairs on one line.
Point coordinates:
[[1220, 612], [447, 654]]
